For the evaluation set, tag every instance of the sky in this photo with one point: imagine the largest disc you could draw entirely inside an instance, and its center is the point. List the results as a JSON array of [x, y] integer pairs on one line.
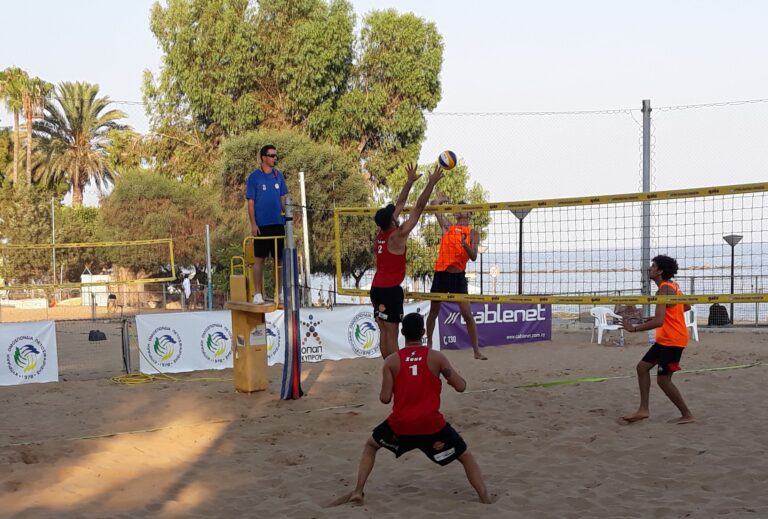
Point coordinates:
[[506, 56]]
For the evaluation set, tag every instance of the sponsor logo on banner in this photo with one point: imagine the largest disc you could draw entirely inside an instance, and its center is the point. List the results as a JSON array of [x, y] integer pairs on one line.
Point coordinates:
[[311, 343], [491, 314], [497, 324], [216, 343], [274, 342], [363, 335], [164, 346], [26, 357]]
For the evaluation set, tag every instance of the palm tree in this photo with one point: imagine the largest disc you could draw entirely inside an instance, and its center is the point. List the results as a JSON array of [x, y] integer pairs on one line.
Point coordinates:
[[12, 82], [33, 95], [73, 134]]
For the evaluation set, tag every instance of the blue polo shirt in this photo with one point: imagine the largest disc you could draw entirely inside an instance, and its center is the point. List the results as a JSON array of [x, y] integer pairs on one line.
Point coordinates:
[[266, 189]]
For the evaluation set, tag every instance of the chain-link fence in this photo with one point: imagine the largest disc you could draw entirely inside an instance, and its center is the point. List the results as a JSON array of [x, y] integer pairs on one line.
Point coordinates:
[[96, 349], [103, 302], [91, 349]]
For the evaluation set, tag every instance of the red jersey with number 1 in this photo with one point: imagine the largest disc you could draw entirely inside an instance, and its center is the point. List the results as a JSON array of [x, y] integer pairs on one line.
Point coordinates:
[[417, 395], [390, 268]]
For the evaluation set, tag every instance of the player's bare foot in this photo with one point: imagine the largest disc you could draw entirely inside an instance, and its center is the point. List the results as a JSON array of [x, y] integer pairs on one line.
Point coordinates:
[[683, 420], [353, 497], [488, 499], [632, 418], [480, 356]]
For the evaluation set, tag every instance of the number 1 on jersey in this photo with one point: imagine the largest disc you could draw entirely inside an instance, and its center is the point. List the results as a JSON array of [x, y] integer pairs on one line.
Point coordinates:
[[414, 369]]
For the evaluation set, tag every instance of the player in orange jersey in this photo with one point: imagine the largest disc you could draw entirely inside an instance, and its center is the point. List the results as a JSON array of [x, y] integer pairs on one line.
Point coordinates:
[[671, 340]]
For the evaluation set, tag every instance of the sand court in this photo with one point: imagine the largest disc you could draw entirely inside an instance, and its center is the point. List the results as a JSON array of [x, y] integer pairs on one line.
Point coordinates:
[[197, 449]]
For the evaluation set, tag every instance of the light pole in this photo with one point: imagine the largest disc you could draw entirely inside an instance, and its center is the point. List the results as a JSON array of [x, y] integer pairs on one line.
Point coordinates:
[[732, 240], [520, 214]]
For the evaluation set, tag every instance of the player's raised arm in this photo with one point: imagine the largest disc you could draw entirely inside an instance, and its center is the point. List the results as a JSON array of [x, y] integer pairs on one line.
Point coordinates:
[[421, 203], [412, 175], [442, 220]]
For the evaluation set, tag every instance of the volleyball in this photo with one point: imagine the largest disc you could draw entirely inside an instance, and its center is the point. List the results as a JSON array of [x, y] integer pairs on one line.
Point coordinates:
[[447, 159]]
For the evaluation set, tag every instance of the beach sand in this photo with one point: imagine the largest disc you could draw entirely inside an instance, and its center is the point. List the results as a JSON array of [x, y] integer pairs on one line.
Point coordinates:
[[197, 449]]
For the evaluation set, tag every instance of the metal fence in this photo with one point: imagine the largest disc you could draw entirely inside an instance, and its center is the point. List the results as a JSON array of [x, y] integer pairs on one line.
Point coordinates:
[[100, 303], [84, 354]]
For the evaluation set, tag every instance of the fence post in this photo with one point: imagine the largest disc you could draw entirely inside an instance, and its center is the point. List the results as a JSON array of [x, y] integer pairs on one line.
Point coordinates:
[[126, 347], [757, 305], [645, 252], [209, 291]]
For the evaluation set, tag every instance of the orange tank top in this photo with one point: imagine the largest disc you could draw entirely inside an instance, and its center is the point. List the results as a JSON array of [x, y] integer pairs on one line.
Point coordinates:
[[452, 254], [673, 332]]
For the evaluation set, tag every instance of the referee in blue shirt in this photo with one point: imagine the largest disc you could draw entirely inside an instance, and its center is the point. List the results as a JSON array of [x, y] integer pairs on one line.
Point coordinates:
[[266, 192]]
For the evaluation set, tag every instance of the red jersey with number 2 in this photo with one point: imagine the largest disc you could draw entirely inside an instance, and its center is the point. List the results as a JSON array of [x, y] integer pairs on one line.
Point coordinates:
[[417, 395], [390, 268]]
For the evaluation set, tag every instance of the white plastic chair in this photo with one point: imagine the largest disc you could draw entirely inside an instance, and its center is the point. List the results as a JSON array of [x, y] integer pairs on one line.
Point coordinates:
[[690, 322], [601, 322]]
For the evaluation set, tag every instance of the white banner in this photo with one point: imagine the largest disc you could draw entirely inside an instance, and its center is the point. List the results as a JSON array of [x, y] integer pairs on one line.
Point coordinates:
[[185, 341], [30, 353], [191, 341], [346, 332]]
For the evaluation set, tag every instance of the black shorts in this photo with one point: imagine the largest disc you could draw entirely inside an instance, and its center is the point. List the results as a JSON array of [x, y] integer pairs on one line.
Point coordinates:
[[442, 447], [449, 283], [388, 303], [667, 357], [266, 248]]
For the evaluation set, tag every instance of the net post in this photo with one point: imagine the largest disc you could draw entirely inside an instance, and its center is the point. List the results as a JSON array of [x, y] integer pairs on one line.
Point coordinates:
[[291, 384]]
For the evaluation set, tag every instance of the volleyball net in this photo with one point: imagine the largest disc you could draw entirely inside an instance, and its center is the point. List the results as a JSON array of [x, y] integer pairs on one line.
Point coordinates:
[[587, 250], [75, 265]]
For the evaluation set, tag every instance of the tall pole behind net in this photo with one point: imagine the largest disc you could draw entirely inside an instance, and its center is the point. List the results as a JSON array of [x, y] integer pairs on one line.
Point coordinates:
[[645, 257], [291, 386]]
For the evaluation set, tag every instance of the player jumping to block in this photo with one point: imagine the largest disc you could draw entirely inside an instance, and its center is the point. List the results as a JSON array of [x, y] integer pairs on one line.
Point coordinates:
[[458, 245], [386, 293], [671, 340], [412, 376]]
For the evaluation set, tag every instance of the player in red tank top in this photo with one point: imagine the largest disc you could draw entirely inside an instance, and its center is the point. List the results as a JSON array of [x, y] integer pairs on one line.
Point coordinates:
[[671, 340], [413, 378], [386, 293]]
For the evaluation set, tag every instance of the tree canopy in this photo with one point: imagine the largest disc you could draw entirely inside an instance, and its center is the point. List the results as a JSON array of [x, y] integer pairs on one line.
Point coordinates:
[[229, 67], [343, 99], [73, 137]]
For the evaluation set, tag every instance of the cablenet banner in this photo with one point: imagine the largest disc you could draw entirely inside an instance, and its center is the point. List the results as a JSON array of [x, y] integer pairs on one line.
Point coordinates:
[[497, 324]]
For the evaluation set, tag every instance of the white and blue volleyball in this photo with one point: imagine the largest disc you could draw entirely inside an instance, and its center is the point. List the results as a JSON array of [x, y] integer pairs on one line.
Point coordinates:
[[447, 159]]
